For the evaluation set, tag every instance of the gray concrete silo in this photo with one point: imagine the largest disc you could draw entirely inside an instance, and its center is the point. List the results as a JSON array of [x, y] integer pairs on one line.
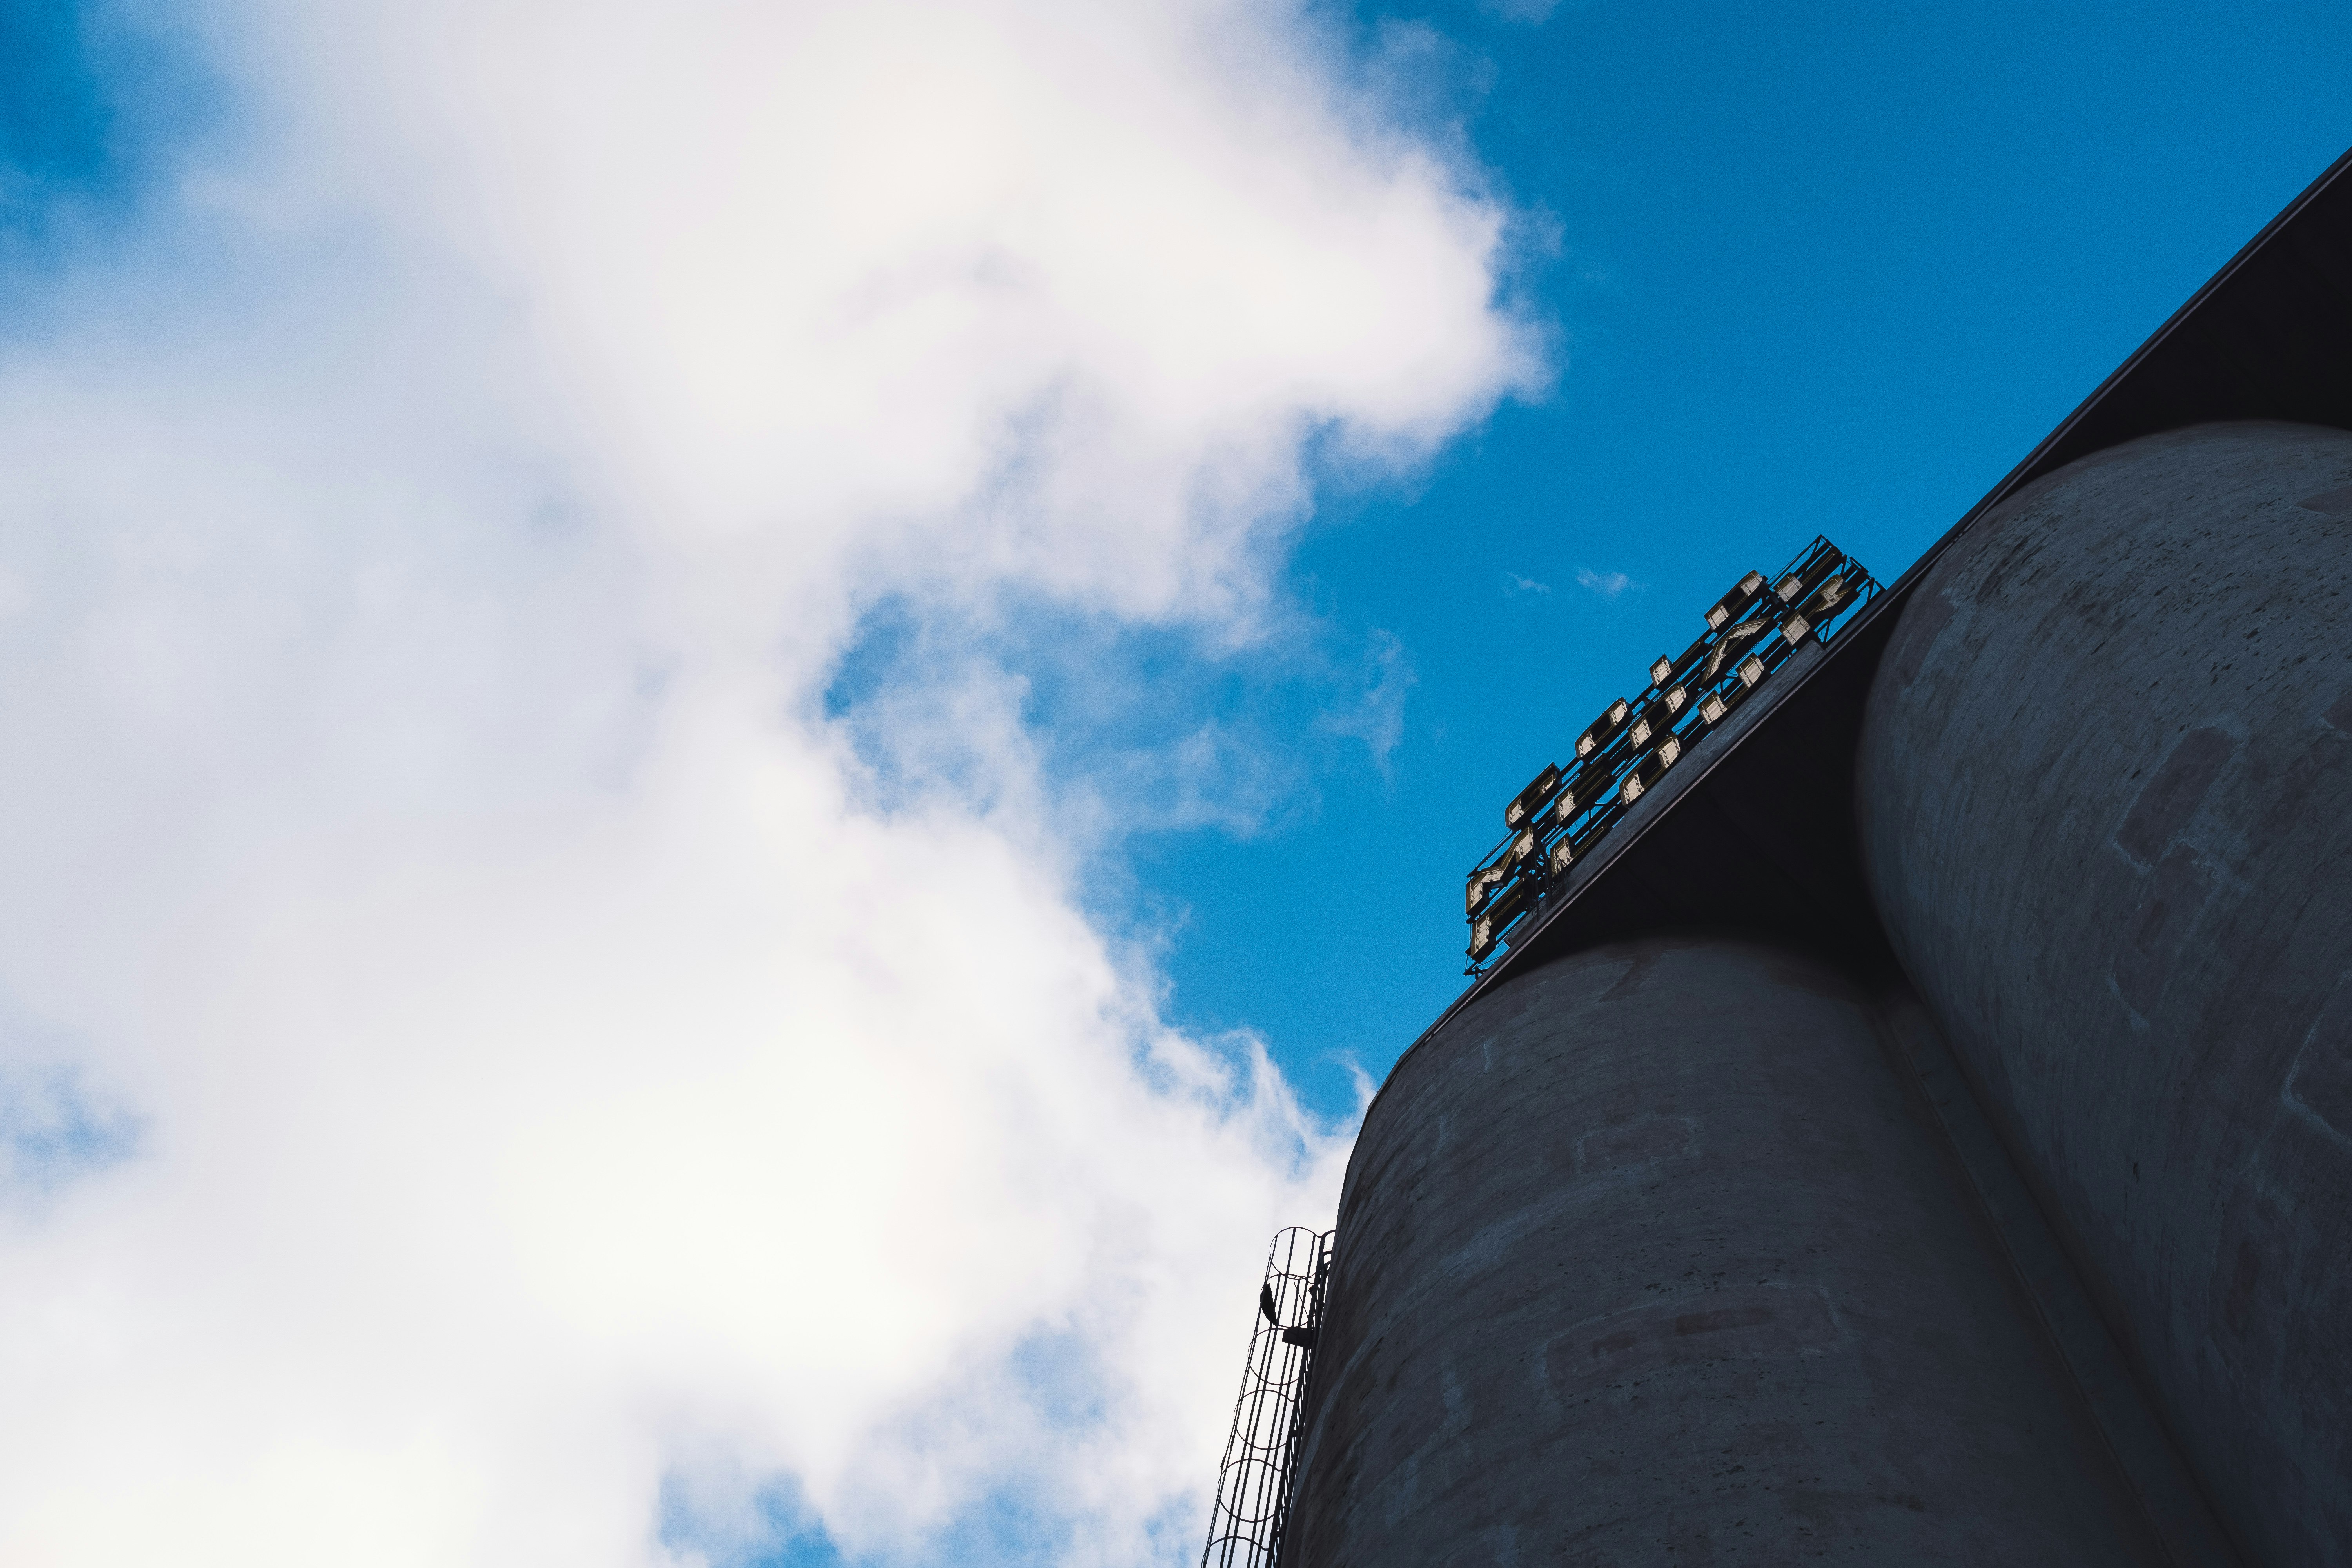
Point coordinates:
[[2011, 1221], [2104, 793], [1652, 1256]]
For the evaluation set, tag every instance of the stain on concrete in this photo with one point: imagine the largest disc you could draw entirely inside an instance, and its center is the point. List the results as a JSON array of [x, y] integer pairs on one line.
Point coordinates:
[[2171, 898], [2172, 796], [2245, 1273], [1748, 1324], [1631, 980], [1645, 1142], [2340, 714], [2337, 502], [1923, 624], [2319, 1082]]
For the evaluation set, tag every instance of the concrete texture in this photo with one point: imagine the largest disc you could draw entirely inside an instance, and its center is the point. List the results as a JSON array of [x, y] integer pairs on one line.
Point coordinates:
[[1651, 1256], [2104, 790]]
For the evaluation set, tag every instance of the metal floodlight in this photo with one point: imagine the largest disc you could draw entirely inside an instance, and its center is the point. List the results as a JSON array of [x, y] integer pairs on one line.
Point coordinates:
[[1803, 580], [1602, 729], [1482, 938], [1531, 799], [1833, 596], [1684, 665], [1717, 705], [1794, 628], [1733, 604], [1658, 717], [1497, 920], [1645, 773], [1589, 788], [1562, 852], [1483, 881], [1670, 751], [1660, 669], [1570, 800], [1732, 644]]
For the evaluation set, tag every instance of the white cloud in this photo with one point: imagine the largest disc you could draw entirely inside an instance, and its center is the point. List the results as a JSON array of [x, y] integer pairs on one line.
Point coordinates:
[[1515, 584], [1608, 584], [486, 1070], [1376, 716]]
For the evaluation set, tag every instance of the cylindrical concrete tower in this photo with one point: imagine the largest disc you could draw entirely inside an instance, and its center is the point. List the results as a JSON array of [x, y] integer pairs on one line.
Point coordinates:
[[2105, 787], [1646, 1257]]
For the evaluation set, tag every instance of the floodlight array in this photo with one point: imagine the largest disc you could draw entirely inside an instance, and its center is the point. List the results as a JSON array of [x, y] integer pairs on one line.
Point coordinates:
[[1565, 811]]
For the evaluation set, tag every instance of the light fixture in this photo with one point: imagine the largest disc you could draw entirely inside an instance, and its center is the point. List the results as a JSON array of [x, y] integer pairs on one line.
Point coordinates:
[[1684, 665], [1482, 882], [1731, 605], [1497, 920], [1806, 578], [1730, 645], [1531, 799], [1601, 729], [1645, 773], [1717, 705], [1657, 718], [1794, 628], [1832, 597], [1482, 937], [1562, 852]]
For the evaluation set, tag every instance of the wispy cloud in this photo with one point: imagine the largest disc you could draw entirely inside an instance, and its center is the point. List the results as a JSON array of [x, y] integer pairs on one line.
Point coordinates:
[[1608, 584], [1377, 717], [1515, 584]]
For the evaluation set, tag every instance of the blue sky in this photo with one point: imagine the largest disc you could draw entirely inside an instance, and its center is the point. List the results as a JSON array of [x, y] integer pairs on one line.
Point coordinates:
[[684, 678], [1820, 270]]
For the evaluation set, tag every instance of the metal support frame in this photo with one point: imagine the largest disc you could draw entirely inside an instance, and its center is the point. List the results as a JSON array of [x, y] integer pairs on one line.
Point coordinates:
[[1253, 1498], [1823, 589]]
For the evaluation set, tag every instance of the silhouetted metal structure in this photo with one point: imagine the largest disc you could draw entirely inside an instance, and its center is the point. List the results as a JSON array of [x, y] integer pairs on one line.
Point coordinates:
[[1254, 1481], [1751, 631]]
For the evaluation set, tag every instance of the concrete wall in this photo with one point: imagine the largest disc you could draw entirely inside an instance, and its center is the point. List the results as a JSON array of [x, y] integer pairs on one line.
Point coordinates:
[[2106, 790], [1647, 1258]]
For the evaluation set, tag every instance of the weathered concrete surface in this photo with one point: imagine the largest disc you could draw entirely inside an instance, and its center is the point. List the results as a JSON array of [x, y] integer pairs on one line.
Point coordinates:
[[2106, 797], [1646, 1259]]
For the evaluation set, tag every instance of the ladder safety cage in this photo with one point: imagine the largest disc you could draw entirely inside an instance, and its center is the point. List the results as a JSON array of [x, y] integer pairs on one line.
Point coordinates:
[[1253, 1501], [1751, 631]]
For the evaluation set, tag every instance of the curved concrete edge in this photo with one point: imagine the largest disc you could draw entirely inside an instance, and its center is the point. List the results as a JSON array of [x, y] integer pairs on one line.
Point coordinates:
[[2178, 1512]]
